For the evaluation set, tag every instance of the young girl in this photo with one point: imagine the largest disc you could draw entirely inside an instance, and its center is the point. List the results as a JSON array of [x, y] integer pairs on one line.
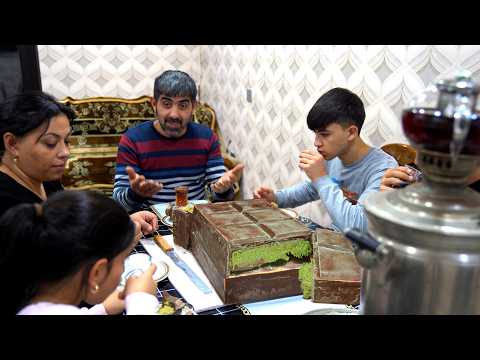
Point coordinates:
[[68, 250]]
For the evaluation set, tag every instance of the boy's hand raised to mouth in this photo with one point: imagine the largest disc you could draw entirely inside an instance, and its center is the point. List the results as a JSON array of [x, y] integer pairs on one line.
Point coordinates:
[[313, 164]]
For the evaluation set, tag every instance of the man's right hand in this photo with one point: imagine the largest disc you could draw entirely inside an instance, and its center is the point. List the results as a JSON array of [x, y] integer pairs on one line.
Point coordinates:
[[265, 193], [141, 186], [394, 178]]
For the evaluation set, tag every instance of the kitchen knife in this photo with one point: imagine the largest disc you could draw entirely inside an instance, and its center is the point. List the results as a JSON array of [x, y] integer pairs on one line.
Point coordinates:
[[170, 252]]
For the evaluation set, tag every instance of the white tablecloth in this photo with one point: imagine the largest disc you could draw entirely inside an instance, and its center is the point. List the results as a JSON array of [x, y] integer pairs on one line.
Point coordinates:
[[294, 305]]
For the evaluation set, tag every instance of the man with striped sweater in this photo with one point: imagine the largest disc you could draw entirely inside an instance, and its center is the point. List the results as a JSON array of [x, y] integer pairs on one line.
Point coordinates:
[[157, 156]]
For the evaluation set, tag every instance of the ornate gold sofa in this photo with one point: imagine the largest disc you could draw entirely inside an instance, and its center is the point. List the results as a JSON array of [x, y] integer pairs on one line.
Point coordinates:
[[96, 132]]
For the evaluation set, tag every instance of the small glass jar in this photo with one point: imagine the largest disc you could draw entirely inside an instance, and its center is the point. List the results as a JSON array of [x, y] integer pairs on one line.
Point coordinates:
[[181, 196]]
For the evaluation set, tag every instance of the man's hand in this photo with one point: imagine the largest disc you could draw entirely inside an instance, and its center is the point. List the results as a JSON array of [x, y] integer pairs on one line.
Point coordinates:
[[141, 186], [228, 179], [146, 220], [265, 193], [313, 164], [394, 178]]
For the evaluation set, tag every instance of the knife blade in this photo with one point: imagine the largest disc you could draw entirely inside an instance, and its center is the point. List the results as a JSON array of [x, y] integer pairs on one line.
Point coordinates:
[[170, 252]]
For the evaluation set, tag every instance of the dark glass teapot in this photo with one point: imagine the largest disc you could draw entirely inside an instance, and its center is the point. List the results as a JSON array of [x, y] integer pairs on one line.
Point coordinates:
[[443, 118]]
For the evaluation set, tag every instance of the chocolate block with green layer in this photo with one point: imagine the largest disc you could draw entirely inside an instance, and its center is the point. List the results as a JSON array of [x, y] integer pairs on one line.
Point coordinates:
[[249, 250]]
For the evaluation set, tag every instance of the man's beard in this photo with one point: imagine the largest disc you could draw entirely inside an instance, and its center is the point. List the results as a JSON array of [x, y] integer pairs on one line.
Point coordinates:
[[176, 130]]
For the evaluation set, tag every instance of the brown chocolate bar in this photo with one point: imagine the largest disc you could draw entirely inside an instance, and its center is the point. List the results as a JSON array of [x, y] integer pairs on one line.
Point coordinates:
[[181, 227], [336, 272], [249, 250]]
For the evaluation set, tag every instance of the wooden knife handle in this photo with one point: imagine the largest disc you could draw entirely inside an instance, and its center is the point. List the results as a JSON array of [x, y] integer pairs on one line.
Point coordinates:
[[160, 241]]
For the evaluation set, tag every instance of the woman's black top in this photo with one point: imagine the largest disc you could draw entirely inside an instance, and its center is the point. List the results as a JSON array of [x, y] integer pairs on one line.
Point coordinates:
[[12, 193]]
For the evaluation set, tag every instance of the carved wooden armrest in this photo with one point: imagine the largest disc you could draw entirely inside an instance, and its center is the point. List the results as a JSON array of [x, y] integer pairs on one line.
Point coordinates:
[[403, 153], [92, 187], [106, 189]]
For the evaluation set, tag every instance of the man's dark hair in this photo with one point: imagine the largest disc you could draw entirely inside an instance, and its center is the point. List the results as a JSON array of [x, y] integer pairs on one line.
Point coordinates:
[[175, 83], [339, 106]]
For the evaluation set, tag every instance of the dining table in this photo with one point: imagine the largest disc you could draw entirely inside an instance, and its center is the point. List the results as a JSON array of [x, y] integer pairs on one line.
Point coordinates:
[[180, 286]]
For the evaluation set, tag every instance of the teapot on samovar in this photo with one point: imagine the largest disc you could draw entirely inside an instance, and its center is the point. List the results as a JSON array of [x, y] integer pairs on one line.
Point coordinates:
[[421, 254]]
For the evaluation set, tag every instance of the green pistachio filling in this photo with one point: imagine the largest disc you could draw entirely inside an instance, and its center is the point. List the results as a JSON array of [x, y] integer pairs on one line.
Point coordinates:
[[253, 257], [305, 275]]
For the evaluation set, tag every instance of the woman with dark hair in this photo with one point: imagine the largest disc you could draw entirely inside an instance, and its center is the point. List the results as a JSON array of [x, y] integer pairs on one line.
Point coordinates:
[[34, 149], [68, 250]]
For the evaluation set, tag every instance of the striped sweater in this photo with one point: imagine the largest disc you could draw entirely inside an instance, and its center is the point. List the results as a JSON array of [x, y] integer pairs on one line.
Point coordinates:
[[193, 160]]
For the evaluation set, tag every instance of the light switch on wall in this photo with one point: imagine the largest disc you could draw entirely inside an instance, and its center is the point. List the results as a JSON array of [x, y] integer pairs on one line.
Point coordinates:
[[249, 95]]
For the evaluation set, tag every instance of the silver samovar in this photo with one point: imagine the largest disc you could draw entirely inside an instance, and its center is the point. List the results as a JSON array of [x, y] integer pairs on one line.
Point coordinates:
[[421, 254]]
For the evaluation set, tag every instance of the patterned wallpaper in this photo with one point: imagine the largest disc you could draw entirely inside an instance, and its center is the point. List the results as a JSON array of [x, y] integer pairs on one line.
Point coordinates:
[[267, 133], [112, 70]]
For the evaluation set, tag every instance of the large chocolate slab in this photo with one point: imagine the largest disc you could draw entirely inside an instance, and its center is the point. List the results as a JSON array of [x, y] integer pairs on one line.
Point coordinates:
[[262, 215], [248, 205], [336, 272], [216, 208], [251, 286], [261, 285], [231, 230], [244, 234], [210, 267], [221, 219], [220, 230], [205, 236], [284, 230]]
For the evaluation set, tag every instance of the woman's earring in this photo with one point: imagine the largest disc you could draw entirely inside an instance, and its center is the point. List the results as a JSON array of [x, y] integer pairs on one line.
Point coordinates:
[[96, 288], [15, 159]]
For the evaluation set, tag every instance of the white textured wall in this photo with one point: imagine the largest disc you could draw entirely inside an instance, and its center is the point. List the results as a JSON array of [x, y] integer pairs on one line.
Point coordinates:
[[112, 70], [269, 133], [286, 80]]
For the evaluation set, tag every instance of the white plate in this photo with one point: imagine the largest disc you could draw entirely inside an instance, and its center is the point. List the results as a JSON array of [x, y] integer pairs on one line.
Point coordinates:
[[332, 311], [167, 220], [141, 262]]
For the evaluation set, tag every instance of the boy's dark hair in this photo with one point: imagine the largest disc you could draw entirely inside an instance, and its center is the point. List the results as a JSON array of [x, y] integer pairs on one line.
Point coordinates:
[[70, 231], [175, 83], [339, 106], [22, 113]]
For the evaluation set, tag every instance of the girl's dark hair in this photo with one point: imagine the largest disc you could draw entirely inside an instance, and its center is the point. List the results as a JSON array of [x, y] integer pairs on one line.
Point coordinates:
[[339, 106], [43, 244], [22, 113]]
